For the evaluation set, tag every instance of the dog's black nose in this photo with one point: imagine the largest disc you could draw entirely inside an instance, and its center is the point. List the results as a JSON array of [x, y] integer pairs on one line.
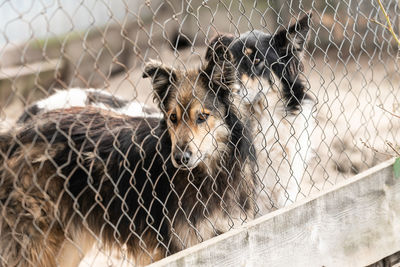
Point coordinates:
[[183, 157]]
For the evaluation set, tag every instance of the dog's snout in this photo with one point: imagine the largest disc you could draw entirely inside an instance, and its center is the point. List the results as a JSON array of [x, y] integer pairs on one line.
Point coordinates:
[[183, 157]]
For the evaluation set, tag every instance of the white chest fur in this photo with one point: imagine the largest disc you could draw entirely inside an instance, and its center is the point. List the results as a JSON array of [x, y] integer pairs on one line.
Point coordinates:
[[283, 147]]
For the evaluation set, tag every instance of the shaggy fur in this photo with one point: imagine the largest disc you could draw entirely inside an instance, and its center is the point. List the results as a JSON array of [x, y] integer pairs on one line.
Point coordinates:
[[270, 89], [281, 109], [78, 97], [73, 176]]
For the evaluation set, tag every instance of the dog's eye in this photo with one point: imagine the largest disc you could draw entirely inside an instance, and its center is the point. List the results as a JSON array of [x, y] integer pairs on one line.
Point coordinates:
[[173, 118], [202, 117], [257, 61]]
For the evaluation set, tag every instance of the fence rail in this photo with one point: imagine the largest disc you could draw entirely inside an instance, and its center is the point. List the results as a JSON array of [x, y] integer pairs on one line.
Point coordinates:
[[352, 224]]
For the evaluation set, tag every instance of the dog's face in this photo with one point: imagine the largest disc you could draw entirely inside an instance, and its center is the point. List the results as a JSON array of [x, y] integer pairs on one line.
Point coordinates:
[[263, 60], [194, 104]]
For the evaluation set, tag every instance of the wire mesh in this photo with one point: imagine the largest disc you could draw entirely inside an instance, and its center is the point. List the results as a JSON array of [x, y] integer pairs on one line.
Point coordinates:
[[131, 130]]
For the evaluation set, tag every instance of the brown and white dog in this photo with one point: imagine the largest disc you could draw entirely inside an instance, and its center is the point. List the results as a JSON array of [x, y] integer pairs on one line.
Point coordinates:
[[279, 106], [74, 176]]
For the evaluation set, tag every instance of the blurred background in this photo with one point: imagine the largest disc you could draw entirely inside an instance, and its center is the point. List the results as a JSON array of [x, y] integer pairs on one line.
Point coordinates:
[[351, 65]]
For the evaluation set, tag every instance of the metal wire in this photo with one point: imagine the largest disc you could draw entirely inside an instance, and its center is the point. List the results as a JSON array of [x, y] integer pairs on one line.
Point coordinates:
[[346, 124]]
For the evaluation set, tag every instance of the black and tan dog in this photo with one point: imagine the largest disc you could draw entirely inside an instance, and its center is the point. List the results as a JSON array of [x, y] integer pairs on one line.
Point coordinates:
[[72, 177], [275, 98], [270, 89]]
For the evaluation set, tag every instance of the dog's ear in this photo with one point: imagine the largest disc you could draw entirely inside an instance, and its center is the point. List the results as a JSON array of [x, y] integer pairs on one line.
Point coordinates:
[[295, 37], [289, 45], [162, 79], [225, 39], [220, 67]]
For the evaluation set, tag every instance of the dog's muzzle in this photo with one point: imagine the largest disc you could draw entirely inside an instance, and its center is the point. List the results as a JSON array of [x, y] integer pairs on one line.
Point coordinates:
[[182, 158]]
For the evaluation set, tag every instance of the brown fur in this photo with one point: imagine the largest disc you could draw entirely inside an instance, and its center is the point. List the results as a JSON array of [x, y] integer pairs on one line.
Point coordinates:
[[38, 227], [74, 176]]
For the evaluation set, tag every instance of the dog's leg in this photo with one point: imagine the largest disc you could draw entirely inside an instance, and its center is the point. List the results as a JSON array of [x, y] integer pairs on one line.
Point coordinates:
[[146, 250], [74, 250]]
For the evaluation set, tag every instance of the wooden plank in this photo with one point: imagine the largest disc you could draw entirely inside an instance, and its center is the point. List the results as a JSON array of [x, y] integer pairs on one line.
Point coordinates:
[[29, 69], [355, 223], [19, 82]]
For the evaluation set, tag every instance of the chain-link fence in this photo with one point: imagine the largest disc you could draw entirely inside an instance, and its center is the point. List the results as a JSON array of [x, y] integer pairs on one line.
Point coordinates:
[[131, 130]]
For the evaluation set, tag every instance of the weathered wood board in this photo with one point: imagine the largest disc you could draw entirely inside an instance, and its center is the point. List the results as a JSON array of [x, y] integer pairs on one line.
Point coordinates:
[[355, 223]]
